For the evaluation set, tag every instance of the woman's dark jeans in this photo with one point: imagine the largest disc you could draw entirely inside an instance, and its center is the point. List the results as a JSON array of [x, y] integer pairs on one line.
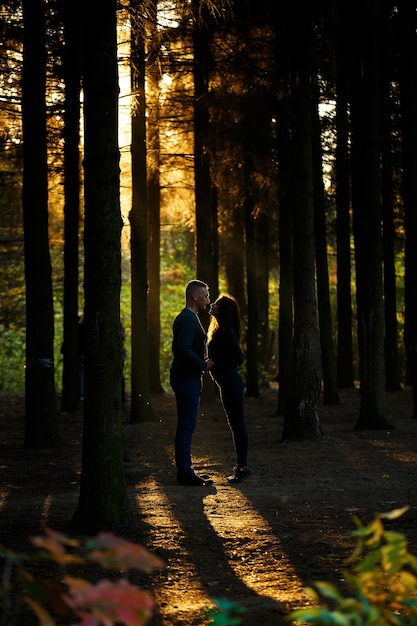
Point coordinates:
[[187, 394], [231, 395]]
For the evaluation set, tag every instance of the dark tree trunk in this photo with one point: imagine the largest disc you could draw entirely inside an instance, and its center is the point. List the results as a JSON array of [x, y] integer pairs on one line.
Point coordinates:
[[367, 219], [407, 37], [252, 372], [234, 261], [345, 377], [328, 355], [103, 501], [282, 22], [262, 269], [252, 330], [285, 321], [154, 208], [392, 371], [141, 407], [301, 420], [41, 426], [205, 196], [72, 74]]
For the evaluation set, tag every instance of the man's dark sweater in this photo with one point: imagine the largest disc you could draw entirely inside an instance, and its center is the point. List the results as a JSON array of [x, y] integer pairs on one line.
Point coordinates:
[[188, 346]]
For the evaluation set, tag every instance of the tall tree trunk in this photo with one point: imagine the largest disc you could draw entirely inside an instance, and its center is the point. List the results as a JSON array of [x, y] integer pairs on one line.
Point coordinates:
[[345, 377], [154, 206], [234, 261], [205, 192], [252, 330], [328, 355], [103, 501], [72, 73], [407, 36], [367, 216], [41, 426], [262, 270], [301, 420], [282, 21], [141, 407], [392, 370], [205, 196], [285, 315]]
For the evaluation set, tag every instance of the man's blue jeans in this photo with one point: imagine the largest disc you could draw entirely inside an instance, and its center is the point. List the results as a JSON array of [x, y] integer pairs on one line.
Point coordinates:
[[187, 394]]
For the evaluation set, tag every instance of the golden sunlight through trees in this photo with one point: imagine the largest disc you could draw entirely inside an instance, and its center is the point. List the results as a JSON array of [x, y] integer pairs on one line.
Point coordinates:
[[250, 552]]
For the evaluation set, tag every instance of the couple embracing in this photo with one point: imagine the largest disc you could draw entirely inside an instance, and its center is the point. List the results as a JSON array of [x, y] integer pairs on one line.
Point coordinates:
[[221, 356]]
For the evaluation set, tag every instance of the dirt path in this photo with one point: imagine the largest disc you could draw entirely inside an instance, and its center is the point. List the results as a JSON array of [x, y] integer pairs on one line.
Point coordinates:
[[257, 544]]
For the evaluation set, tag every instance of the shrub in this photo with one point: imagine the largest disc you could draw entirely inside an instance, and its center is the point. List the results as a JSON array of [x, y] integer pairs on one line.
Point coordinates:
[[105, 602], [383, 581]]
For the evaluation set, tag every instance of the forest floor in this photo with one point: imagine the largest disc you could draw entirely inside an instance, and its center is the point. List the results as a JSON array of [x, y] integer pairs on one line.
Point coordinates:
[[257, 544]]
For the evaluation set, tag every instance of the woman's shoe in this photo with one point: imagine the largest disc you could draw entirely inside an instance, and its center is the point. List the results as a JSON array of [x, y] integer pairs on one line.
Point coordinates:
[[240, 474]]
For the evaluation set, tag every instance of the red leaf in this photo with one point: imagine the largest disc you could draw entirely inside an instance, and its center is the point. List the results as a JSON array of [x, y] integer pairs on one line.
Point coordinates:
[[55, 543], [110, 602], [116, 553]]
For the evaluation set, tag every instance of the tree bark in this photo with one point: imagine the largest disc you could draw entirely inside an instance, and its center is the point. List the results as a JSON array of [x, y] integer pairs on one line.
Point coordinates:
[[328, 355], [301, 420], [262, 269], [141, 406], [345, 376], [205, 196], [406, 33], [41, 425], [103, 501], [282, 21], [72, 74], [285, 315], [389, 239], [154, 205], [367, 216]]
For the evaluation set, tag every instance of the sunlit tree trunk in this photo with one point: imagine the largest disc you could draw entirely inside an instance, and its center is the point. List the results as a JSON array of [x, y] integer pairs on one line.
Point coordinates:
[[103, 501], [154, 205], [141, 407], [205, 192], [328, 355], [367, 218], [71, 349], [205, 196], [41, 427], [301, 420]]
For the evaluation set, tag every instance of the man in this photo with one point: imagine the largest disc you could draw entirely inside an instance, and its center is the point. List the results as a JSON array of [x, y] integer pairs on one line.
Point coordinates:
[[188, 365]]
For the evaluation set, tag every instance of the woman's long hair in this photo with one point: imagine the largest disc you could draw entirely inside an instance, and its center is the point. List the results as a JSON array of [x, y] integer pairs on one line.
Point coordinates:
[[228, 316]]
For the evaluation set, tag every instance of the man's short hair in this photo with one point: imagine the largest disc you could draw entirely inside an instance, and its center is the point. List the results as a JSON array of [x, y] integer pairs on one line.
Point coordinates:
[[193, 286]]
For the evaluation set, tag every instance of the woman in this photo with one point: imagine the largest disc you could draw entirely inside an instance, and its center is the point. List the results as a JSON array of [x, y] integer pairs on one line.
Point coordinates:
[[225, 351]]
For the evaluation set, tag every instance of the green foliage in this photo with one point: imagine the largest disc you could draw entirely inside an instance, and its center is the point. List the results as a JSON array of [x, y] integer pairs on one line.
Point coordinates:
[[106, 601], [383, 581], [225, 613], [12, 360]]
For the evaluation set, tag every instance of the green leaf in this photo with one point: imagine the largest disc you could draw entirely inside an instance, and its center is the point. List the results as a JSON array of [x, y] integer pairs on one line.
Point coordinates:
[[394, 514], [328, 591]]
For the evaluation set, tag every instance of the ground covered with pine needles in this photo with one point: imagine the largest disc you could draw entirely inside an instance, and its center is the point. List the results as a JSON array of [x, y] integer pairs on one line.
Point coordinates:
[[257, 544]]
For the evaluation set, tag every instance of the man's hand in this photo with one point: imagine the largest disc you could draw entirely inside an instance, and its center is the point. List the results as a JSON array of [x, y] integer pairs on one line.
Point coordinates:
[[210, 364]]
